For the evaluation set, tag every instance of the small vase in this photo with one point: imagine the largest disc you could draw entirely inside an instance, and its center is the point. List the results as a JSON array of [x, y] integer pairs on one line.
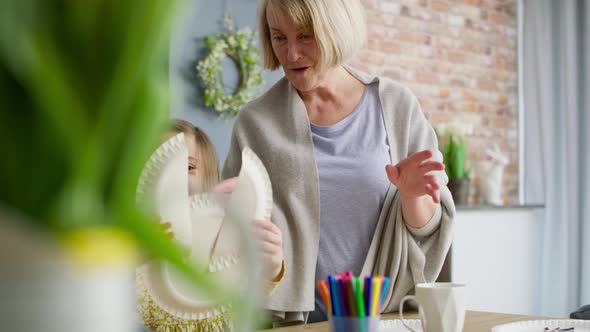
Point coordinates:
[[459, 188], [84, 283]]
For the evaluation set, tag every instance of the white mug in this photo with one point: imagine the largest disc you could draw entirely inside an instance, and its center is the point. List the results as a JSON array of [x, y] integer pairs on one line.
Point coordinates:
[[440, 305]]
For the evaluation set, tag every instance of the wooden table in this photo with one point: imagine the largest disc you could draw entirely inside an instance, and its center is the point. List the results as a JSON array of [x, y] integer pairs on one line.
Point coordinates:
[[475, 321]]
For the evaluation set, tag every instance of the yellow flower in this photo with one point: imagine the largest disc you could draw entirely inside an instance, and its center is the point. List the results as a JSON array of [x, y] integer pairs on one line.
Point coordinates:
[[98, 247]]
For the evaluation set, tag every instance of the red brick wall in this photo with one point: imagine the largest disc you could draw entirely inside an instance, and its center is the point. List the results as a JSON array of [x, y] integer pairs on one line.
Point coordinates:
[[460, 59]]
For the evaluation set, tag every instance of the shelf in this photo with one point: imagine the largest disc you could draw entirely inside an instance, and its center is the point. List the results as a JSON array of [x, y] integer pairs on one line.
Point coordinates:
[[478, 207]]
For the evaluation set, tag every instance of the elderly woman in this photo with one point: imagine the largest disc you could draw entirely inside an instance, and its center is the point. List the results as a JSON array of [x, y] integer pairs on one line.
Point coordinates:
[[357, 177]]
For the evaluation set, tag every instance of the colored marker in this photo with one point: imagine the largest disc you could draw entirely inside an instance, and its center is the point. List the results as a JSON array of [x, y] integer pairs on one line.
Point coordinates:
[[376, 294], [358, 292], [350, 296], [368, 282], [343, 297], [334, 292], [325, 292], [383, 291]]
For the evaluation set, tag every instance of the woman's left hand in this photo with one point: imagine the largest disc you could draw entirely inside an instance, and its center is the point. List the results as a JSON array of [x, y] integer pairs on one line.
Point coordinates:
[[412, 176], [270, 242]]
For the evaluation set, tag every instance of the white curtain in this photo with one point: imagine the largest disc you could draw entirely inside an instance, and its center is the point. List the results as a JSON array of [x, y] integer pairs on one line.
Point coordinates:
[[556, 92]]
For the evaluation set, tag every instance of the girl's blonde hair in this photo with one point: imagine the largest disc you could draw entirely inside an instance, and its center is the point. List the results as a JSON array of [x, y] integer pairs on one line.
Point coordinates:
[[209, 161], [338, 26]]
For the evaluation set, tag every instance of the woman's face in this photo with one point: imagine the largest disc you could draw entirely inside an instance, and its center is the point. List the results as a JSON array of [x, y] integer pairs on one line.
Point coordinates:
[[195, 166], [296, 50]]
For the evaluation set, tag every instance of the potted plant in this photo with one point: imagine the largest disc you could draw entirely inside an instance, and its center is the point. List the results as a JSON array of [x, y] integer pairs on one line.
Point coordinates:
[[454, 152], [83, 90]]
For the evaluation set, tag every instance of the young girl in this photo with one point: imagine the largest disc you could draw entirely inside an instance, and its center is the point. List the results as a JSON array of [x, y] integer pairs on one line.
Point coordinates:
[[203, 174], [203, 165], [203, 170]]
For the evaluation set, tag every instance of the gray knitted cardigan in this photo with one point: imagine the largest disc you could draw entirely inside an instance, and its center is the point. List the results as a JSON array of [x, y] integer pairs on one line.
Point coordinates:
[[276, 127]]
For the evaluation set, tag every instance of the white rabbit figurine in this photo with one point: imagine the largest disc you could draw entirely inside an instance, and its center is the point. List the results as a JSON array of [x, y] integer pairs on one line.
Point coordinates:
[[490, 176]]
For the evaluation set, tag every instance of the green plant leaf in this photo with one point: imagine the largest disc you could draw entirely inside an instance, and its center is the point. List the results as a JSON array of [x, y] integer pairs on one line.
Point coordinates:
[[85, 97], [454, 158]]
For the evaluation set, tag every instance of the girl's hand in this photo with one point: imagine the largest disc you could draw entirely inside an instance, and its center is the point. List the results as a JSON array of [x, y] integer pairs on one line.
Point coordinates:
[[225, 187], [270, 242], [412, 176]]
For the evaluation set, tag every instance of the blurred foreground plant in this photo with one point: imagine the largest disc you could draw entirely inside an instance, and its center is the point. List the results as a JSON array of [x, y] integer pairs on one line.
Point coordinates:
[[83, 89]]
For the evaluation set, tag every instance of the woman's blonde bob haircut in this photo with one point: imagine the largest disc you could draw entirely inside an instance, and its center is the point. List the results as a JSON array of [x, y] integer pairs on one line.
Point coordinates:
[[338, 26]]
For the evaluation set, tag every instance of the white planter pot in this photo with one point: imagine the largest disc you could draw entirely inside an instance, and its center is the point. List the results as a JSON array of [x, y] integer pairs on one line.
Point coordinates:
[[41, 290]]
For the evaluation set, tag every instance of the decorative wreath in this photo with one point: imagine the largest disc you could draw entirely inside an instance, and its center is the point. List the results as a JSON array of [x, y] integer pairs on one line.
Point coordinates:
[[239, 46]]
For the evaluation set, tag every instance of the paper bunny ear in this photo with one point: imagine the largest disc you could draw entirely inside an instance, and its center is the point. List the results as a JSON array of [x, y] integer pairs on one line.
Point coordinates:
[[250, 200], [163, 187], [207, 215]]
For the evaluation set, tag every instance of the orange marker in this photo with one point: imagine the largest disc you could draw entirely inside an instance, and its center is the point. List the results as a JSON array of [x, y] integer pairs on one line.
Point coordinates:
[[325, 293]]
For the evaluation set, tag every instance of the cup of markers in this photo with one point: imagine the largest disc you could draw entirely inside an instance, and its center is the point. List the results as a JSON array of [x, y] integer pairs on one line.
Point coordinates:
[[353, 303]]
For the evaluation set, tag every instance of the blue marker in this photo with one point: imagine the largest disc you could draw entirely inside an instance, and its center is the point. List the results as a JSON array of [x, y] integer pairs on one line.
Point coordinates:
[[334, 290], [383, 291], [368, 295]]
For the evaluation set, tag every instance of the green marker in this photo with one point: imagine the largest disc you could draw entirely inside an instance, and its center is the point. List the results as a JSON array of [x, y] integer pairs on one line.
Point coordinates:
[[358, 294], [360, 304]]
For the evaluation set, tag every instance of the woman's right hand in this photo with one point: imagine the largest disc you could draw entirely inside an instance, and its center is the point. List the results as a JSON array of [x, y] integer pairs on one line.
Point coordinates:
[[414, 176]]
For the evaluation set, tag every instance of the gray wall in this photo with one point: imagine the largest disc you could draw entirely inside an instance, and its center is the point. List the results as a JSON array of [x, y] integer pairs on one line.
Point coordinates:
[[198, 20]]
